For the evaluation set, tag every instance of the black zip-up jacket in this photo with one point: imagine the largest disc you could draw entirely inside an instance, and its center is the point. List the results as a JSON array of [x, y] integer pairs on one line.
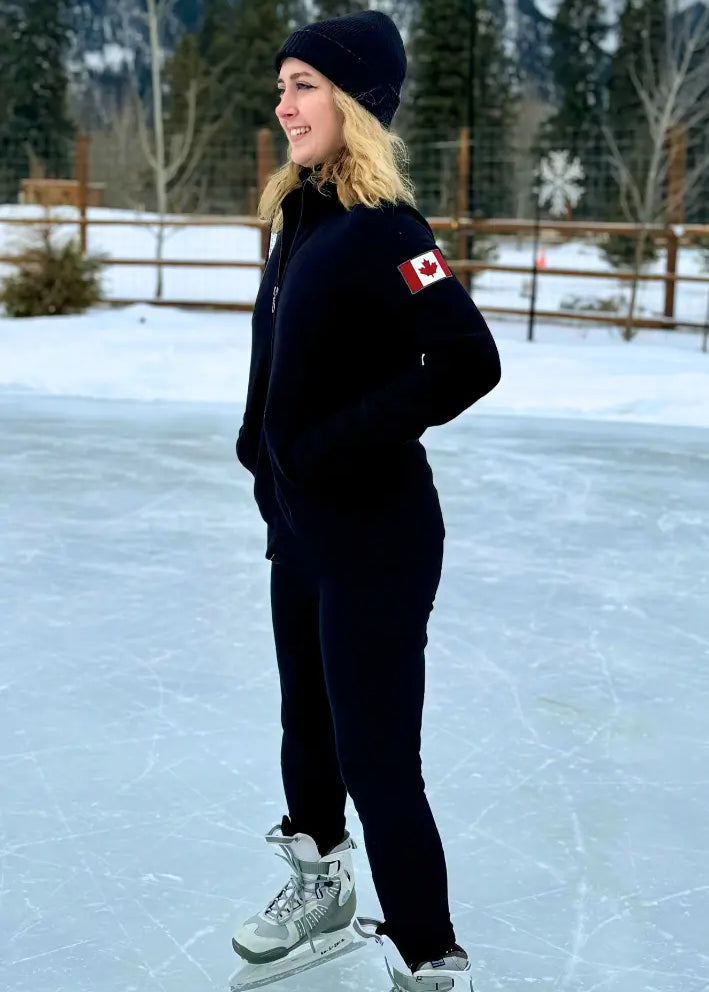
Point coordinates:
[[349, 366]]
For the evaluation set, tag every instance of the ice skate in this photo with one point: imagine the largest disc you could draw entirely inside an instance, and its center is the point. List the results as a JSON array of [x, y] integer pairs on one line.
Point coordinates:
[[307, 922], [450, 973]]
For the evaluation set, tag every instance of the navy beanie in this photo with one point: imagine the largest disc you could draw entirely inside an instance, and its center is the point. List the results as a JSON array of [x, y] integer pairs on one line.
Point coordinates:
[[361, 53]]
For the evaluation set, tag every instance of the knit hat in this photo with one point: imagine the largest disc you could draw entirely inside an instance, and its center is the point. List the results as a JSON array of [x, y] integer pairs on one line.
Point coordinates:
[[361, 53]]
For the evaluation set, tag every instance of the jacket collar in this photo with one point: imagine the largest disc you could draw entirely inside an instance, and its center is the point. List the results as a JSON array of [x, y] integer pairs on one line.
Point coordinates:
[[316, 201]]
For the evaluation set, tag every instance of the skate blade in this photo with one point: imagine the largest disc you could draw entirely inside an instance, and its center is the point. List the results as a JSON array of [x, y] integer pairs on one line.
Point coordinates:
[[327, 947]]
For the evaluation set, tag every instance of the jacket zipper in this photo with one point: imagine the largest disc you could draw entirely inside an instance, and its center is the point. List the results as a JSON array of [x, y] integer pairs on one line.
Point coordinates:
[[282, 265]]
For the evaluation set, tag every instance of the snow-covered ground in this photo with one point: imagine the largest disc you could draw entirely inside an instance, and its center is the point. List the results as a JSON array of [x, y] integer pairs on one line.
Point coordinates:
[[151, 353], [227, 243], [510, 289], [565, 743]]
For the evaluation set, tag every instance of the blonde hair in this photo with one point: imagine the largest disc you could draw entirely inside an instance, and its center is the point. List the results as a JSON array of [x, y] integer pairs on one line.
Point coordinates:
[[371, 168]]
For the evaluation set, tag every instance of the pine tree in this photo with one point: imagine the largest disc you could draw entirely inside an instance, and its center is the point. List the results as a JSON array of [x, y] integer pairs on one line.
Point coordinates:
[[188, 81], [578, 64], [238, 42], [189, 13], [337, 8], [216, 29], [460, 76], [579, 71], [261, 27], [184, 68], [642, 28], [698, 135], [34, 38]]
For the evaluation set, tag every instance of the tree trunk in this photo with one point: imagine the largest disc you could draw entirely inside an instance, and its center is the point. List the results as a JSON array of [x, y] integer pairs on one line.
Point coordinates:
[[158, 124], [630, 331]]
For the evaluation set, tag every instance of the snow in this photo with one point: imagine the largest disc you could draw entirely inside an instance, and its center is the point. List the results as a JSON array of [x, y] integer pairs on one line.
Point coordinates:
[[111, 57], [219, 243], [611, 11], [511, 289], [565, 739], [236, 243], [149, 353], [140, 352]]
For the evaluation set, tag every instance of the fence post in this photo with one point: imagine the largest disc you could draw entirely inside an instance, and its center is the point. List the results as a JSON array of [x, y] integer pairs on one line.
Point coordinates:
[[671, 284], [266, 156], [677, 172], [81, 172]]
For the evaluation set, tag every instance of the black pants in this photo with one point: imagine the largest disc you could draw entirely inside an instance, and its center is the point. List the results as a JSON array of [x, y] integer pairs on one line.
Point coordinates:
[[350, 612]]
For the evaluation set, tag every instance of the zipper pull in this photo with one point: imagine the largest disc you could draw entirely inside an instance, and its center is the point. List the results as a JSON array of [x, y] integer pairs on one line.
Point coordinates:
[[275, 295]]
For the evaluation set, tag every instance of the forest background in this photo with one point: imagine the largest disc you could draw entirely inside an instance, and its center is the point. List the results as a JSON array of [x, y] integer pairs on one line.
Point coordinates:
[[597, 79]]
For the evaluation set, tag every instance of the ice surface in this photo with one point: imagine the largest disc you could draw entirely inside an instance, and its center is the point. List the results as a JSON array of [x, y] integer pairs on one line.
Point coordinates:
[[566, 742]]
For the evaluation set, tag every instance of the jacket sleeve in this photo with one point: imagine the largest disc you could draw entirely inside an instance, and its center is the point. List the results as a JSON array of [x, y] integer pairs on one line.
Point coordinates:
[[243, 452], [456, 361]]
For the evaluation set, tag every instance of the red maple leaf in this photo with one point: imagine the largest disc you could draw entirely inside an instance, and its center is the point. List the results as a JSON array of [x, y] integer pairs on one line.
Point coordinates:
[[428, 268]]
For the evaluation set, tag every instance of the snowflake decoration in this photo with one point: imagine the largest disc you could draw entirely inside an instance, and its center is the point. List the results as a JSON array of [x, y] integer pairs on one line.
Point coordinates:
[[560, 182]]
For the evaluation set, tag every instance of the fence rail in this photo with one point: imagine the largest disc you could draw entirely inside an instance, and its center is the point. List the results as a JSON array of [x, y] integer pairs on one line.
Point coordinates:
[[673, 236]]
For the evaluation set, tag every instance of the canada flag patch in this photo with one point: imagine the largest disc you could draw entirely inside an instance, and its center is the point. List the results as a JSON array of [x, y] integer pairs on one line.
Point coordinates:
[[424, 270]]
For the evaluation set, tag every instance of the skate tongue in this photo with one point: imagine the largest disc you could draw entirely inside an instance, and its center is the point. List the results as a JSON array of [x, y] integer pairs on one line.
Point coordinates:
[[300, 846], [303, 847]]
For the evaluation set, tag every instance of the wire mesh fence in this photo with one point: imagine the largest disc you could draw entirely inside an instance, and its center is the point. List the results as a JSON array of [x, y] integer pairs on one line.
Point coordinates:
[[483, 172], [457, 174]]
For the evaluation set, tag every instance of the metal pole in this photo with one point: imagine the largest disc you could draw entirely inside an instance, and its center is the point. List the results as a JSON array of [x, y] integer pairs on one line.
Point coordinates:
[[535, 269], [463, 204], [81, 171], [472, 43]]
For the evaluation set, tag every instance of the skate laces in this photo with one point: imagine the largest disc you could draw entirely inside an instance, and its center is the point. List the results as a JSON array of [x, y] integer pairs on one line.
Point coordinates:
[[292, 895], [300, 885]]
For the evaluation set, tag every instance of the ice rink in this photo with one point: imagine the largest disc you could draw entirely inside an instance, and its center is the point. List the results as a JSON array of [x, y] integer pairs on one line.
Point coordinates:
[[566, 744]]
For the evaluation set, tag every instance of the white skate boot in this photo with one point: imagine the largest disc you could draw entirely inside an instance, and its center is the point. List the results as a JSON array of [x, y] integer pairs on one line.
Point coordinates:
[[307, 922], [450, 973]]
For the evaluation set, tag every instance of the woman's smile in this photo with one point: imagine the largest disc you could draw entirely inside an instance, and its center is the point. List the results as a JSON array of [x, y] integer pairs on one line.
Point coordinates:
[[298, 133]]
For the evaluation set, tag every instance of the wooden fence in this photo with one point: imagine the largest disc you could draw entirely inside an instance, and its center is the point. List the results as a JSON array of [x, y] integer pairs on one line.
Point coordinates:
[[674, 238]]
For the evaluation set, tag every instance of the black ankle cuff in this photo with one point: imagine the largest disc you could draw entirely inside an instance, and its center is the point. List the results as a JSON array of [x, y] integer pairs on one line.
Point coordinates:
[[324, 841], [418, 948]]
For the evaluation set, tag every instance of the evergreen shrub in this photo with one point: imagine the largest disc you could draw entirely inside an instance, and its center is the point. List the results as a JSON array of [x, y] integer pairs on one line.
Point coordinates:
[[619, 250], [703, 245], [52, 279]]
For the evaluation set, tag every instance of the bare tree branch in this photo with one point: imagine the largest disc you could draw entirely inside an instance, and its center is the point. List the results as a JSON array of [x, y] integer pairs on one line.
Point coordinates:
[[143, 135], [119, 157], [165, 9], [626, 181], [673, 90], [694, 181], [187, 139], [198, 150]]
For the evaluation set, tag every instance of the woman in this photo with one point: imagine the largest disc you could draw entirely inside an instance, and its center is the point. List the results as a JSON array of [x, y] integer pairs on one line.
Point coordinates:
[[362, 339]]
